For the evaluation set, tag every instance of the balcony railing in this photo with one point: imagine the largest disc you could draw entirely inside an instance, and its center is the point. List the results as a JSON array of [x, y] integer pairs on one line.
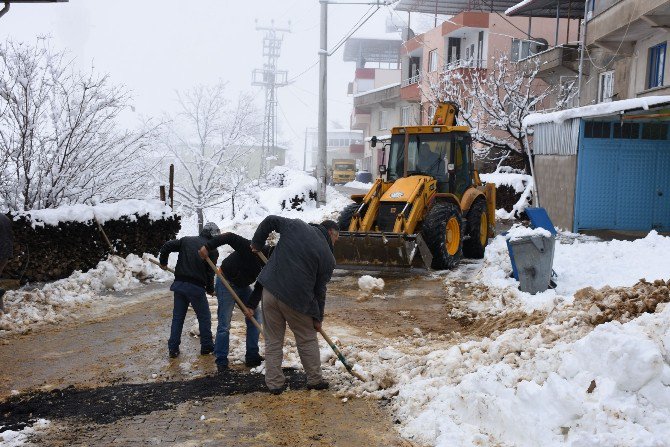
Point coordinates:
[[409, 81], [464, 63]]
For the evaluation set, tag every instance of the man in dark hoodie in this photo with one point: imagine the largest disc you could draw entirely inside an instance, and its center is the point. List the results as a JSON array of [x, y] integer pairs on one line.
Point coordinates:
[[6, 249], [192, 280], [240, 268], [294, 292]]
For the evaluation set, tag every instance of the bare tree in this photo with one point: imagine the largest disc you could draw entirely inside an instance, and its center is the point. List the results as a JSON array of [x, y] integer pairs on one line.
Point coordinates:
[[210, 139], [494, 102], [60, 142]]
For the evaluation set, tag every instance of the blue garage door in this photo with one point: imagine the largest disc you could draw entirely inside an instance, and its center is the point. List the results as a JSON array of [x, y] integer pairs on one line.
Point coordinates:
[[623, 176]]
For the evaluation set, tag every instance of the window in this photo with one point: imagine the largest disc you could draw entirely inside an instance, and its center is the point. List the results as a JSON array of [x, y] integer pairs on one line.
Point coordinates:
[[432, 60], [655, 131], [406, 116], [606, 87], [596, 129], [383, 120], [430, 113], [656, 65], [630, 131], [521, 49]]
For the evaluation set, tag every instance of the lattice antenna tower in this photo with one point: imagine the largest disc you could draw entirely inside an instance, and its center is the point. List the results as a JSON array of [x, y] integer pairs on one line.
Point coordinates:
[[271, 79]]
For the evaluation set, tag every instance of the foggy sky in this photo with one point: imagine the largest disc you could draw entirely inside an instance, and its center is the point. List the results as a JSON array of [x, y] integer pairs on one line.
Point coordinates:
[[155, 47]]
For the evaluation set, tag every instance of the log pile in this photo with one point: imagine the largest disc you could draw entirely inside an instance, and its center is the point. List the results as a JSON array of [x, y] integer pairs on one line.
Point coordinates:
[[47, 252]]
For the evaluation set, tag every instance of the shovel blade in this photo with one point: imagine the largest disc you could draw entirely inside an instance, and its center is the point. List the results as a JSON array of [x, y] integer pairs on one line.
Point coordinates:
[[375, 250]]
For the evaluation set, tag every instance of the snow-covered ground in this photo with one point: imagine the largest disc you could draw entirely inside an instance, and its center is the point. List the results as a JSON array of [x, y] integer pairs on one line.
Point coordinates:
[[358, 185], [16, 438], [557, 378]]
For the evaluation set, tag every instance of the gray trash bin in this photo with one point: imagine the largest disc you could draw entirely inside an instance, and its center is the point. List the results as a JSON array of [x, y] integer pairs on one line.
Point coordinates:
[[533, 258]]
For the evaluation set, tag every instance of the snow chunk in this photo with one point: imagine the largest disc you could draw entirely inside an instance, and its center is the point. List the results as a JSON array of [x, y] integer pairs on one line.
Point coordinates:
[[16, 438], [518, 232], [369, 283], [358, 185]]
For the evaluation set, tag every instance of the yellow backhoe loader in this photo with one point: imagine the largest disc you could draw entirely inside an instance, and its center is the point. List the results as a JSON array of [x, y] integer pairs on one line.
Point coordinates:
[[428, 208]]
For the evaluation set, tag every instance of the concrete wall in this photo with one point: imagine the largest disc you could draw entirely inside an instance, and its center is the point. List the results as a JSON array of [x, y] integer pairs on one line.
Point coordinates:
[[639, 72], [386, 77], [556, 179]]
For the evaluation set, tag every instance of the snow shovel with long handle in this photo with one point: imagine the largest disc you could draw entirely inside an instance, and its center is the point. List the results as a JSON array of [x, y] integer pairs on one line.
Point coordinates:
[[325, 336], [225, 283]]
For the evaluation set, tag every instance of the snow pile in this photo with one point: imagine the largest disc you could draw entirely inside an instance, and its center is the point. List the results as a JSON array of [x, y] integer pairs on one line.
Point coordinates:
[[608, 387], [578, 264], [16, 438], [369, 283], [520, 183], [64, 298], [358, 185], [131, 208]]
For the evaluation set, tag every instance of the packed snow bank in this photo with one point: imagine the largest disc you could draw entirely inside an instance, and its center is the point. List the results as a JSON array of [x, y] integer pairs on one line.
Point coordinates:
[[103, 212], [65, 298], [16, 438], [358, 185], [369, 283], [520, 184], [608, 387]]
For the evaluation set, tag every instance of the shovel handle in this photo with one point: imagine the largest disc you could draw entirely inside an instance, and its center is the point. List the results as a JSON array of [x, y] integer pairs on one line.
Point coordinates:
[[153, 261], [234, 295]]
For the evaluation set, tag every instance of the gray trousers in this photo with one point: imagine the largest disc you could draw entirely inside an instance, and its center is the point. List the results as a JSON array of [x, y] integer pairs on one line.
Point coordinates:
[[275, 317]]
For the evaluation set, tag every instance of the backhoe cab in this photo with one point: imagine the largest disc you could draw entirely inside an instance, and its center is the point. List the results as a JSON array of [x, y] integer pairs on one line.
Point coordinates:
[[431, 202]]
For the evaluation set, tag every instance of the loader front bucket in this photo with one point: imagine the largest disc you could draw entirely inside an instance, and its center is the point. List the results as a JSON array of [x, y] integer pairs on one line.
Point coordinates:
[[379, 250]]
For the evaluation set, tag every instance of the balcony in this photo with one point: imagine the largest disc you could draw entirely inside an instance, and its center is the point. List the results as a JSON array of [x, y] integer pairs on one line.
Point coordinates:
[[617, 27], [386, 96], [557, 61], [409, 88], [360, 120]]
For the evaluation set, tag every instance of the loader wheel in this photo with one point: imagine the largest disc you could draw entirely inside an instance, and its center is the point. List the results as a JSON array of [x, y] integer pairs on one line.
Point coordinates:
[[443, 232], [346, 215], [478, 231]]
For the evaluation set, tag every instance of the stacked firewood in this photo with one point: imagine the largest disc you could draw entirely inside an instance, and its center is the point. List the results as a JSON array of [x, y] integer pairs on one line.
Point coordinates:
[[47, 252]]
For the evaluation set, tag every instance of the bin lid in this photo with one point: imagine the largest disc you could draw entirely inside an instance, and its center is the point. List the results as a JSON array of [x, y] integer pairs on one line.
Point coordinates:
[[540, 219]]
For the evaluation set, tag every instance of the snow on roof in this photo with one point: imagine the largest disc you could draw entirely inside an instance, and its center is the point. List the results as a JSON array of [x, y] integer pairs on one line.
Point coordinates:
[[602, 109], [379, 138], [130, 208], [378, 89]]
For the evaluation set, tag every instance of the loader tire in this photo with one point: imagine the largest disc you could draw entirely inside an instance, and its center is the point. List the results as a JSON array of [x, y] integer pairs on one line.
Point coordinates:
[[477, 230], [346, 215], [442, 231]]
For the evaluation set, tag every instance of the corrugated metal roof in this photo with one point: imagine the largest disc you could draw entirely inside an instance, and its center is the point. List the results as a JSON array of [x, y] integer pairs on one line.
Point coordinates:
[[547, 8], [453, 7]]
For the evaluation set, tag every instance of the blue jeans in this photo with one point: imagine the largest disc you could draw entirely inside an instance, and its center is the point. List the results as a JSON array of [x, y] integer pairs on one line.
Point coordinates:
[[225, 314], [184, 294]]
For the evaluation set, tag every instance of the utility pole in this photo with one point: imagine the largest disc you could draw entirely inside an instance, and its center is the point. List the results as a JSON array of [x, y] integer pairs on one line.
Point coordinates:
[[322, 156], [271, 79]]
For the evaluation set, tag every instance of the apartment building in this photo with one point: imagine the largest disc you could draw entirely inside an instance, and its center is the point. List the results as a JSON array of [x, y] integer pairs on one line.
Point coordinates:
[[341, 143], [469, 42]]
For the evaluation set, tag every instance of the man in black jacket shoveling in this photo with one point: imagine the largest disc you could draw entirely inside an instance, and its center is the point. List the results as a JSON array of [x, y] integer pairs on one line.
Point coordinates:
[[294, 292], [240, 268], [193, 277]]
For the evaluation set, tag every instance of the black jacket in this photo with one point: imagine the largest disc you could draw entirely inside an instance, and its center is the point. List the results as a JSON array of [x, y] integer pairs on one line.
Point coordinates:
[[301, 264], [242, 266], [6, 238], [191, 267]]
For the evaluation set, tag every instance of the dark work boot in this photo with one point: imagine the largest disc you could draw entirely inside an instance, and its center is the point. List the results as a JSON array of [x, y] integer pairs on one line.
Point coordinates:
[[253, 361], [222, 369], [323, 385], [174, 354], [206, 351]]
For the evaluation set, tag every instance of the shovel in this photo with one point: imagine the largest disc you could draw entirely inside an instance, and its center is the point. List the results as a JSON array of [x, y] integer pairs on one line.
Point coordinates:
[[332, 345], [225, 283]]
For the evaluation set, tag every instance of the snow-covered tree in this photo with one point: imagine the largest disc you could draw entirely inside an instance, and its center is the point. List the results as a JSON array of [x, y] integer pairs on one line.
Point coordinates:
[[210, 139], [60, 142], [494, 101]]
